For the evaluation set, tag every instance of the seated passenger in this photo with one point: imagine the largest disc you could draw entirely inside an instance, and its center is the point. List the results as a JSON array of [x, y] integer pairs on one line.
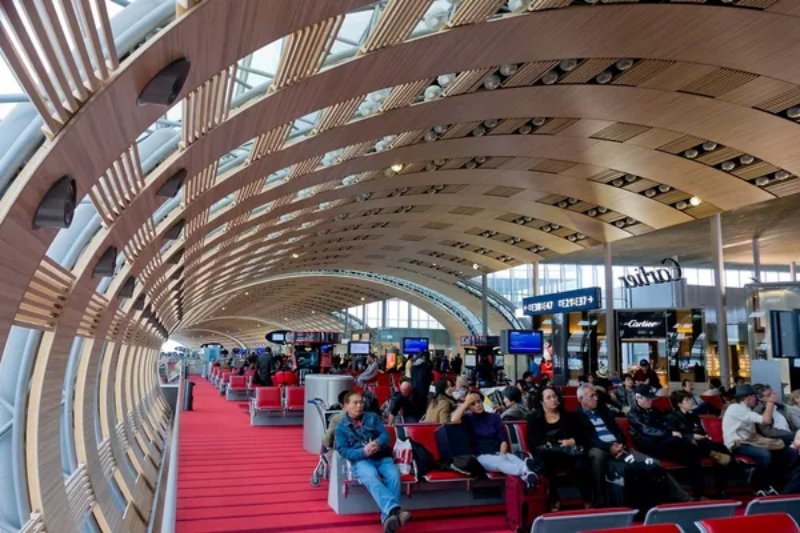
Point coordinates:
[[362, 440], [334, 421], [553, 435], [514, 408], [715, 388], [603, 439], [793, 485], [488, 439], [626, 394], [406, 404], [462, 388], [369, 373], [780, 427], [685, 421], [652, 434], [773, 459], [699, 407], [441, 406]]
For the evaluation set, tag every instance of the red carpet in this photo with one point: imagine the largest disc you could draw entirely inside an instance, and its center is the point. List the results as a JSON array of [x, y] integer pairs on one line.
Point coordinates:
[[236, 477]]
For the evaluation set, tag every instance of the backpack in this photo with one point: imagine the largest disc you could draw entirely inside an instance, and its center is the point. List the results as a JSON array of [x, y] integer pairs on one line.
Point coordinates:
[[423, 459]]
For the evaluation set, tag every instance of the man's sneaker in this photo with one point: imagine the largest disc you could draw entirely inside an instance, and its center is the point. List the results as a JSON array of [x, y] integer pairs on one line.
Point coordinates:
[[391, 524], [531, 480], [403, 517]]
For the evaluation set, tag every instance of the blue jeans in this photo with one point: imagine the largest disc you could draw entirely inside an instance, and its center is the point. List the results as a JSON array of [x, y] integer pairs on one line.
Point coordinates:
[[770, 465], [386, 491]]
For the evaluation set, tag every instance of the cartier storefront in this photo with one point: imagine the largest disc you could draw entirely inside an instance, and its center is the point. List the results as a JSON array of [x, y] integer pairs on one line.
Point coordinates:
[[671, 339]]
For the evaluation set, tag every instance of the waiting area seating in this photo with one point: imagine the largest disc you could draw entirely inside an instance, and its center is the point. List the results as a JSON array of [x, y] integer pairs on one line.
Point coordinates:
[[572, 521], [772, 523], [789, 504], [277, 406], [686, 514]]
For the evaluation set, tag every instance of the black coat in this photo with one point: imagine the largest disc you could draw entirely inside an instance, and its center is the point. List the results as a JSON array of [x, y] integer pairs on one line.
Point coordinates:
[[647, 426], [687, 424], [568, 427], [587, 434]]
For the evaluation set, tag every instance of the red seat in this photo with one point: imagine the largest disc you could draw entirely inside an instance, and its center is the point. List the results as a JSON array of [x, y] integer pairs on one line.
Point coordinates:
[[295, 398], [583, 520], [714, 401], [713, 426], [237, 383], [787, 503], [382, 393], [774, 523], [226, 376], [290, 378], [685, 514], [569, 390], [425, 434], [383, 380], [517, 436], [571, 403], [622, 422], [663, 404], [268, 399], [657, 528]]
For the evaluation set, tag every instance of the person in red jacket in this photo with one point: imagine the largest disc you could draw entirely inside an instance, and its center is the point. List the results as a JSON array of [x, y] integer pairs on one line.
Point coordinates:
[[546, 366]]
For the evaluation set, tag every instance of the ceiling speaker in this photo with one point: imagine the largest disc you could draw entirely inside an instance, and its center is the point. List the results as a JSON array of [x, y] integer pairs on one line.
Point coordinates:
[[175, 230], [165, 86], [58, 205], [126, 291], [107, 263], [173, 184]]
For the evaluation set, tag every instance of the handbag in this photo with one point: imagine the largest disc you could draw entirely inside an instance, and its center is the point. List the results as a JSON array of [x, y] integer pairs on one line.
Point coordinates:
[[767, 443], [565, 451]]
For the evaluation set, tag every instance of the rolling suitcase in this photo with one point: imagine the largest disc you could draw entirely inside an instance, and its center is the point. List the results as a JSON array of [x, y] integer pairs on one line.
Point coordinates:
[[523, 506]]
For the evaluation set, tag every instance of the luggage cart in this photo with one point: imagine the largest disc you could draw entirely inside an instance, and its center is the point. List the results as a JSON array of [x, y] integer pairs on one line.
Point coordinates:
[[322, 470]]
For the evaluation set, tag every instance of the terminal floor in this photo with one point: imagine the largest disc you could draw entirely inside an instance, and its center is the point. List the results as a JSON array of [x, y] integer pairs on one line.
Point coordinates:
[[235, 477]]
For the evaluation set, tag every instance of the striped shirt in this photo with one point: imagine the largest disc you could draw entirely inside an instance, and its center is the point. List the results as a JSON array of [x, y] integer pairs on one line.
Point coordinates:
[[602, 430]]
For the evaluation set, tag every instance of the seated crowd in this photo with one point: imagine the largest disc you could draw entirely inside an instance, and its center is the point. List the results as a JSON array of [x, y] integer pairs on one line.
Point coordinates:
[[615, 448]]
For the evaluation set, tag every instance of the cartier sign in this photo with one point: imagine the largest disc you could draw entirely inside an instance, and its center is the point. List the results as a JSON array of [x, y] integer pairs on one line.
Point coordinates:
[[642, 277], [642, 324]]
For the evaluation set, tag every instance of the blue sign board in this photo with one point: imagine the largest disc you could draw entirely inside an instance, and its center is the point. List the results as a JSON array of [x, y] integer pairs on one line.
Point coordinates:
[[562, 302]]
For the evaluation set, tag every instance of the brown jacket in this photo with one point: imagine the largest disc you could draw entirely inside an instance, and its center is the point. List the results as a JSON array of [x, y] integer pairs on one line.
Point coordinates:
[[439, 410]]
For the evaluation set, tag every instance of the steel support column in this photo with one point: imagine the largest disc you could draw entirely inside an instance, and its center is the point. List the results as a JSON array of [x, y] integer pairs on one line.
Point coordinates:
[[756, 260], [485, 304], [793, 271], [611, 328], [722, 315]]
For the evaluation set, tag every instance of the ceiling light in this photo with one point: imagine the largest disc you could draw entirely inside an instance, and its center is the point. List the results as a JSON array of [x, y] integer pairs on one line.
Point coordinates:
[[781, 175], [664, 188], [630, 178], [592, 212], [617, 182], [492, 82], [475, 266], [555, 226], [362, 298], [295, 256], [538, 121], [441, 128], [650, 193], [763, 180], [445, 79], [604, 77], [397, 167], [432, 93], [246, 293], [430, 166], [624, 64], [508, 70], [568, 64], [223, 308], [619, 223], [691, 153], [479, 131], [430, 136], [727, 166], [547, 229], [480, 159], [681, 205], [562, 204], [572, 238], [572, 201], [491, 122], [793, 112], [525, 129], [601, 209], [550, 77], [471, 164], [746, 159], [630, 220], [709, 146], [695, 201]]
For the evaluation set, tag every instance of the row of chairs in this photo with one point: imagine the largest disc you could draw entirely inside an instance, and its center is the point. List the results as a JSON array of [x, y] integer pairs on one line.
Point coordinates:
[[772, 513], [661, 403], [277, 405]]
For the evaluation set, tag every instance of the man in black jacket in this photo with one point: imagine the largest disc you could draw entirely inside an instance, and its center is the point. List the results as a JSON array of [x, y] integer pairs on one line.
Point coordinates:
[[651, 432], [601, 435]]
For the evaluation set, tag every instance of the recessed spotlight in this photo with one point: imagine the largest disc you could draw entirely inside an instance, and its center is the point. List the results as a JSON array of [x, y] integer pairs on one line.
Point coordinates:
[[763, 180], [397, 167], [691, 153], [550, 77], [727, 166], [538, 121], [781, 175], [746, 159], [708, 146], [624, 63], [475, 266], [525, 129], [362, 298], [508, 70], [695, 201], [246, 293], [793, 112], [568, 65], [492, 82], [664, 188], [430, 136], [604, 77], [479, 131], [441, 128], [617, 182], [681, 205], [295, 256], [650, 193]]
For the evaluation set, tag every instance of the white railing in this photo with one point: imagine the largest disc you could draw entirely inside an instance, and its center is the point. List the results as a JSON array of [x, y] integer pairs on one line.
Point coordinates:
[[171, 492]]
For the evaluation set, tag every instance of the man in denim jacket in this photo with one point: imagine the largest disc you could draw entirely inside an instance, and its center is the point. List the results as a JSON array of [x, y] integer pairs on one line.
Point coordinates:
[[362, 440]]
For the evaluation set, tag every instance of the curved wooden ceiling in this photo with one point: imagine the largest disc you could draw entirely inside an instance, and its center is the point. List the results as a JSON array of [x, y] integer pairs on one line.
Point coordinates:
[[589, 137]]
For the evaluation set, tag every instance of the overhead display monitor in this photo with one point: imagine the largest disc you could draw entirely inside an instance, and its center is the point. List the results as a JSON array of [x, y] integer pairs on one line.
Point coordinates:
[[358, 348], [524, 341], [413, 345]]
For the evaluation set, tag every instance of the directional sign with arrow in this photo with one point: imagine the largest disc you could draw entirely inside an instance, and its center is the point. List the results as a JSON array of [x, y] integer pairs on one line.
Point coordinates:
[[563, 302]]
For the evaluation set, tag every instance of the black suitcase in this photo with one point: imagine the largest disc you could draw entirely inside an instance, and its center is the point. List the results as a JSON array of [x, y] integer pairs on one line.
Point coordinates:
[[452, 441]]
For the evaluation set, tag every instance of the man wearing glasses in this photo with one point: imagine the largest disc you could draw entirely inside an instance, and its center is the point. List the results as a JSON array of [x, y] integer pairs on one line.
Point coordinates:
[[362, 439]]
